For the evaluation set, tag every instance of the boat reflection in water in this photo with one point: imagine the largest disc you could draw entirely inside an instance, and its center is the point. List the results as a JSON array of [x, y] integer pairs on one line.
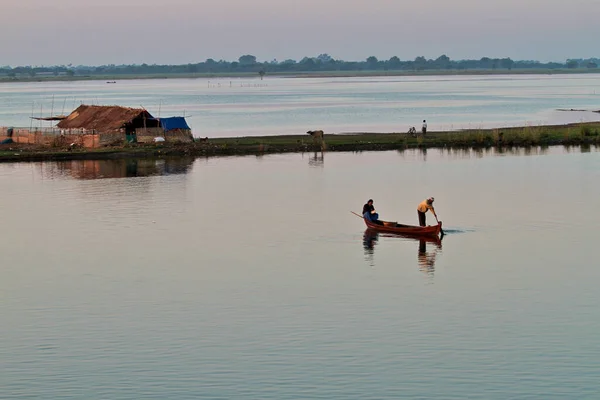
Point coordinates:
[[425, 257], [119, 168]]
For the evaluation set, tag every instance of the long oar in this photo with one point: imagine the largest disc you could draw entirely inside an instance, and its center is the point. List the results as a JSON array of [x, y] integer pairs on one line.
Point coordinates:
[[441, 230], [359, 216]]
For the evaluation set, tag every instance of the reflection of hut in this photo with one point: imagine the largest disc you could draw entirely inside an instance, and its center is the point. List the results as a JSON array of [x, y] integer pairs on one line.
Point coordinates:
[[111, 124], [125, 168], [172, 129]]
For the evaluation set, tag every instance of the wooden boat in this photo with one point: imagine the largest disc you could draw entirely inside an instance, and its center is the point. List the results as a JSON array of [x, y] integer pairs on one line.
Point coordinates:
[[437, 240], [410, 230]]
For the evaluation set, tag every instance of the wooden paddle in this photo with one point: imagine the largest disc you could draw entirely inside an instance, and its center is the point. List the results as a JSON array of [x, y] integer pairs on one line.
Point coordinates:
[[359, 216], [436, 220]]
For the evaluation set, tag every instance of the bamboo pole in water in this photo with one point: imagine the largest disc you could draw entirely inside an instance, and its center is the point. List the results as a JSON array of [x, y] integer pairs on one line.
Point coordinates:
[[31, 119], [51, 112]]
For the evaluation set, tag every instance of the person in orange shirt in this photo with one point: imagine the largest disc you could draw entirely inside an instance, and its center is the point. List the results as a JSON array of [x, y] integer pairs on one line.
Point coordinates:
[[423, 207]]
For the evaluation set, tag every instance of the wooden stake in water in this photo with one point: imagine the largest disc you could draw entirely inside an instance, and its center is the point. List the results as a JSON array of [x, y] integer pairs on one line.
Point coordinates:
[[51, 112], [31, 119]]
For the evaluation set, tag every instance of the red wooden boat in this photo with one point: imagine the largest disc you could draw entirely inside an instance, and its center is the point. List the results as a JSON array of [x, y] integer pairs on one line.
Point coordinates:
[[411, 230], [437, 240]]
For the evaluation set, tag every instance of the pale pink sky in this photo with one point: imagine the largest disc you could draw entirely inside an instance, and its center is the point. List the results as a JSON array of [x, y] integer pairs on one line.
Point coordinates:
[[49, 32]]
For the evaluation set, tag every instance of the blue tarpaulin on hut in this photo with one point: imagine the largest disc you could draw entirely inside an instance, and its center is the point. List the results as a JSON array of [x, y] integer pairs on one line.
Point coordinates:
[[168, 124]]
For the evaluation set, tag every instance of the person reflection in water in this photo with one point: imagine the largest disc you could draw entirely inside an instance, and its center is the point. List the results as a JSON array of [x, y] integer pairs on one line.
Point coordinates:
[[369, 241], [426, 259]]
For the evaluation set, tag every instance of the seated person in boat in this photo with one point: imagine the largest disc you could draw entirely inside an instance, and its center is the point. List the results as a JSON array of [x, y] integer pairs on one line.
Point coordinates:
[[423, 207], [369, 212]]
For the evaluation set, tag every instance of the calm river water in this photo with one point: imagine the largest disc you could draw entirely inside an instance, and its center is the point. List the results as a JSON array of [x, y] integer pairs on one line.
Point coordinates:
[[246, 107], [248, 278]]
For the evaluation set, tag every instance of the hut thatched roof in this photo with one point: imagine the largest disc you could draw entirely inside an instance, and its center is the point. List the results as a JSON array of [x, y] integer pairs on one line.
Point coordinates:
[[102, 118]]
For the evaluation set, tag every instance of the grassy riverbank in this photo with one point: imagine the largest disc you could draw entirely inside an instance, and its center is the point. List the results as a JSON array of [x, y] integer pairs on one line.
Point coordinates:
[[297, 74], [572, 134]]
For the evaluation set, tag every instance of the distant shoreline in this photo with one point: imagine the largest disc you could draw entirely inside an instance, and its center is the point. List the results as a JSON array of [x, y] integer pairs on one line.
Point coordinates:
[[583, 134], [309, 74]]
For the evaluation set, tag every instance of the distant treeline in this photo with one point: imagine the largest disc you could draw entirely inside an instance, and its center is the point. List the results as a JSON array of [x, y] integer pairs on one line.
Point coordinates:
[[324, 62]]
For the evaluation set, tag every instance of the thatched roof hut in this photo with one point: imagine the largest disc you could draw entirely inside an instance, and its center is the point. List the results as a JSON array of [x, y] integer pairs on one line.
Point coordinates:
[[104, 119]]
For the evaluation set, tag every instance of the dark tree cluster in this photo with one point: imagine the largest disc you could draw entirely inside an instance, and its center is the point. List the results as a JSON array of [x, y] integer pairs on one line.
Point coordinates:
[[322, 63]]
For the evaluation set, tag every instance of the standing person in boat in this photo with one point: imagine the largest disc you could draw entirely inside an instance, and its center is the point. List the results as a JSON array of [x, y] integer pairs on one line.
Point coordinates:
[[370, 214], [422, 208], [424, 128]]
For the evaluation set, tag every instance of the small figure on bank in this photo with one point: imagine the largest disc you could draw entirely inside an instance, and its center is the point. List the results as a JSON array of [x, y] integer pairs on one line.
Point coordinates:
[[369, 212], [424, 128], [422, 208]]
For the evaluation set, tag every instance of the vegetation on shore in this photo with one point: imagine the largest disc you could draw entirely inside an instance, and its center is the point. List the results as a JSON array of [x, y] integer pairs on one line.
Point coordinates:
[[322, 65], [307, 74], [586, 134]]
